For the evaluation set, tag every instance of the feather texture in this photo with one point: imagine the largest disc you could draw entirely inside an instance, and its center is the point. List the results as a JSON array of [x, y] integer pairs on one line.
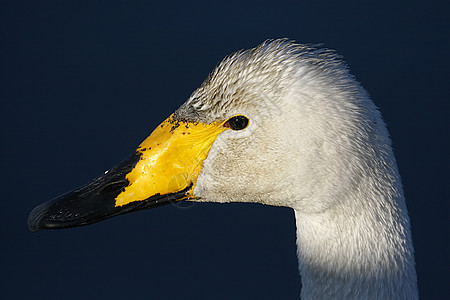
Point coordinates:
[[315, 143]]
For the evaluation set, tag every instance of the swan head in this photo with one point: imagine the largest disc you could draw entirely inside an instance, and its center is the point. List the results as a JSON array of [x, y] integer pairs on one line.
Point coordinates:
[[312, 130], [280, 124], [285, 125]]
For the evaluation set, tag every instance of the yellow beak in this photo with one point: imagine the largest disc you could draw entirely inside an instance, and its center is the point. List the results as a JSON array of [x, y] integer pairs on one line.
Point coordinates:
[[164, 169], [171, 160]]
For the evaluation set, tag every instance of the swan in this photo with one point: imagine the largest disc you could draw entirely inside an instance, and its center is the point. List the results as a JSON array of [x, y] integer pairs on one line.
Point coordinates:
[[281, 124]]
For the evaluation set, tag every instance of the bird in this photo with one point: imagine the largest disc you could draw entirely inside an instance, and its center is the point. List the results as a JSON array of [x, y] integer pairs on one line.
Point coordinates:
[[282, 124]]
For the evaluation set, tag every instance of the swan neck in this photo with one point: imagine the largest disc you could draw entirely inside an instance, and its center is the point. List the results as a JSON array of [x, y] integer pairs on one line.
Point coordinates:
[[360, 250]]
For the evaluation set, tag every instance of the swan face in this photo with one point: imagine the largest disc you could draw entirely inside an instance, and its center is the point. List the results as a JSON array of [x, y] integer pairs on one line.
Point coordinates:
[[308, 123], [305, 113], [280, 124]]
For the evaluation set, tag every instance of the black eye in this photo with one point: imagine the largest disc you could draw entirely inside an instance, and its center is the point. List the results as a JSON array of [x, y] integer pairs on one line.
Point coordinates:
[[237, 123]]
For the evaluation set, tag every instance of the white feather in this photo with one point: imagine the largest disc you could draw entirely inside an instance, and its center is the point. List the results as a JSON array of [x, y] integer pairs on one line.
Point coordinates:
[[315, 143]]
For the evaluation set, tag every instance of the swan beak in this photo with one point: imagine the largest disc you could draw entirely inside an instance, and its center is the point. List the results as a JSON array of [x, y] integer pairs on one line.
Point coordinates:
[[163, 170]]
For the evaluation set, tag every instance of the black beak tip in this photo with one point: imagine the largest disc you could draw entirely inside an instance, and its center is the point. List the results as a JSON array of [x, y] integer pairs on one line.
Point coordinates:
[[35, 218], [39, 219]]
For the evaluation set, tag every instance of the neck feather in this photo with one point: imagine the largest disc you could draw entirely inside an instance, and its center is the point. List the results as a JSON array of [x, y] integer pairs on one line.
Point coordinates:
[[359, 249]]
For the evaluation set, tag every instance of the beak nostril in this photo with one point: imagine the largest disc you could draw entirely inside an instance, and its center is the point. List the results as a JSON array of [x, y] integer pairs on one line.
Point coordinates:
[[113, 187]]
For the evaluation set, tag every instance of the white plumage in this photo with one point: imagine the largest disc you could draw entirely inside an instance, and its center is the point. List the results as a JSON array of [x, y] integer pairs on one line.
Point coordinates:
[[315, 143]]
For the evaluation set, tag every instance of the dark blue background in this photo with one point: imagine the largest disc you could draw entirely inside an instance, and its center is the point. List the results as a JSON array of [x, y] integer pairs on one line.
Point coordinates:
[[84, 82]]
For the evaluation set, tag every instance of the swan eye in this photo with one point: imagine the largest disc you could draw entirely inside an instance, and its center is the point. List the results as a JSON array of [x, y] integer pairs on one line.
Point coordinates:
[[237, 123]]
